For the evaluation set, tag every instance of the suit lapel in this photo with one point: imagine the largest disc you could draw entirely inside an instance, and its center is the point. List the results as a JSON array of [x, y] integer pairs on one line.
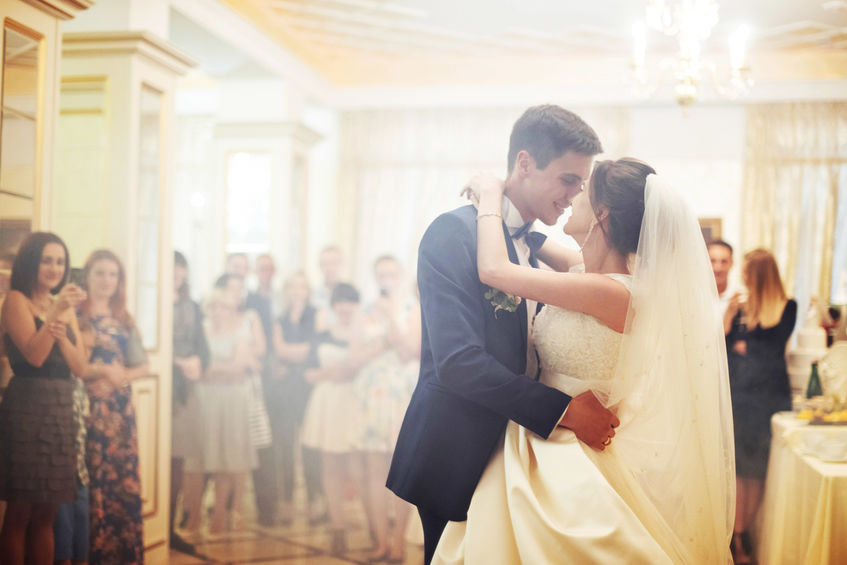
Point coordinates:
[[521, 311], [533, 261]]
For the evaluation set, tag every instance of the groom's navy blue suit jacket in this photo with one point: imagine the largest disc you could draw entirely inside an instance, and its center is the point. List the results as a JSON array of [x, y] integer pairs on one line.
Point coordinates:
[[471, 378]]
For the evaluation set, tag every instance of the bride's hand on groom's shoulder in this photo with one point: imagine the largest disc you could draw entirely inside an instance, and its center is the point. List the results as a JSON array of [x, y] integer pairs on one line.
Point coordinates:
[[483, 184], [592, 423]]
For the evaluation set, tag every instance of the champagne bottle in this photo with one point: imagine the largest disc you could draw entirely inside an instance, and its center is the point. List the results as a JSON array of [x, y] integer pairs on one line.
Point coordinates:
[[814, 387]]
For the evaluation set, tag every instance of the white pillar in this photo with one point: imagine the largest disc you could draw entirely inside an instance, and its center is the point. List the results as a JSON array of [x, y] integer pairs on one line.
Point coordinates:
[[114, 191]]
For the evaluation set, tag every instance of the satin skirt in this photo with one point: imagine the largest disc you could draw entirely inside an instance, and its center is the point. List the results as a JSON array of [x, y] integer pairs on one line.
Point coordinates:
[[549, 501]]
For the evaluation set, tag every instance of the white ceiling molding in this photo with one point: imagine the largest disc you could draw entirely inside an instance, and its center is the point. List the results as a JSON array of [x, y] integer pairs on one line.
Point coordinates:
[[372, 53], [803, 34], [372, 97], [62, 9], [232, 28]]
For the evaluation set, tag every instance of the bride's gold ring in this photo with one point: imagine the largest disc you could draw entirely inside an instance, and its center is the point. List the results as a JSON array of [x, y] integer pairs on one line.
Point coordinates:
[[608, 441]]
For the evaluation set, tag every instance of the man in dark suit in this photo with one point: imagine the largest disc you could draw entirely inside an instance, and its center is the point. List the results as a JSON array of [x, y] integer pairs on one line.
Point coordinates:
[[474, 374]]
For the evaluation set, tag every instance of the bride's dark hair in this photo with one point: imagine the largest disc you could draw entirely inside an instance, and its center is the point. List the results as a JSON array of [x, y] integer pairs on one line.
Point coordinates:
[[619, 186]]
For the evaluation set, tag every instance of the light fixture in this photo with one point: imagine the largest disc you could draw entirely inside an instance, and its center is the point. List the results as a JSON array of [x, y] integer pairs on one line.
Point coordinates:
[[690, 23]]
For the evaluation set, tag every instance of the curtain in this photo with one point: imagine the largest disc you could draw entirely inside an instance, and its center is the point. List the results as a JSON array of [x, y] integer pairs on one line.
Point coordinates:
[[795, 178], [399, 169]]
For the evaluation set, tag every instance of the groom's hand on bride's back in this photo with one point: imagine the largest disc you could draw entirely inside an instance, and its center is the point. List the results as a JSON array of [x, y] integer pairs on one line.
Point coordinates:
[[592, 423]]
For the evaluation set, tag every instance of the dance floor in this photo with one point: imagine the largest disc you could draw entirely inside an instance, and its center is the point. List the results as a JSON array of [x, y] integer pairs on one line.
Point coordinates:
[[292, 545]]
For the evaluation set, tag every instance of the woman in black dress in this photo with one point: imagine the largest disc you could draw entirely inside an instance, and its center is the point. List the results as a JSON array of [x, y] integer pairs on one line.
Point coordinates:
[[190, 360], [37, 452], [288, 392], [758, 331]]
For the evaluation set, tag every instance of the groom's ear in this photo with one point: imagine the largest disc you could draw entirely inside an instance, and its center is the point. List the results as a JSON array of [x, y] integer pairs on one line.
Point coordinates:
[[524, 163]]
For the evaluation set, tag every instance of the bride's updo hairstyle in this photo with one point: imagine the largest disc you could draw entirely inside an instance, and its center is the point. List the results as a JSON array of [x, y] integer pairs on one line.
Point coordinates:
[[619, 186]]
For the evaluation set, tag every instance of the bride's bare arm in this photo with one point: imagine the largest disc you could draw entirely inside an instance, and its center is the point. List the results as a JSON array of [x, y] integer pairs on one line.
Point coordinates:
[[558, 257], [593, 294]]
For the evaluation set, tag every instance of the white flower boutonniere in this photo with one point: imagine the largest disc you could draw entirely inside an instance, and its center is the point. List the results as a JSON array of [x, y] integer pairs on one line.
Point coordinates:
[[502, 300]]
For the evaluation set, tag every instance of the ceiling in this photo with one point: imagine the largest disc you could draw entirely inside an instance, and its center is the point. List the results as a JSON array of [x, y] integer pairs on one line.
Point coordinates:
[[431, 42]]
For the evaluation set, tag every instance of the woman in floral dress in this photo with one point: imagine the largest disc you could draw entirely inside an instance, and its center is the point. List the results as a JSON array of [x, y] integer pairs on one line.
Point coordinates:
[[384, 387], [116, 358]]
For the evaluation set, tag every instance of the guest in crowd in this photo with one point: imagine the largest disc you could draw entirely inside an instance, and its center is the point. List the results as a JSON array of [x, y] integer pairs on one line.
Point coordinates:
[[385, 386], [288, 392], [248, 320], [37, 456], [6, 262], [116, 358], [260, 428], [720, 254], [190, 360], [331, 263], [237, 264], [757, 333], [223, 395], [261, 301], [333, 416], [71, 527]]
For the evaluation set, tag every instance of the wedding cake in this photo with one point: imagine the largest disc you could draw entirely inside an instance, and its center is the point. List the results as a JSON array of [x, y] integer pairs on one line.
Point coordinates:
[[833, 369], [810, 348]]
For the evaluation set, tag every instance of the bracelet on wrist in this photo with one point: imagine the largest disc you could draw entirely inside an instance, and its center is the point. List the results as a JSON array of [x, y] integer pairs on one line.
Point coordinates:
[[489, 215]]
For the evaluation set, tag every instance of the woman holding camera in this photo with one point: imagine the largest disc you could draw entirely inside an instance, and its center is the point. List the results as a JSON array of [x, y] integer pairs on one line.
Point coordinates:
[[37, 453]]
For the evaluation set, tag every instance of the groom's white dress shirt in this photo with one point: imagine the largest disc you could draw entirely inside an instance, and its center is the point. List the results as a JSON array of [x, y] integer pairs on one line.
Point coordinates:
[[514, 222]]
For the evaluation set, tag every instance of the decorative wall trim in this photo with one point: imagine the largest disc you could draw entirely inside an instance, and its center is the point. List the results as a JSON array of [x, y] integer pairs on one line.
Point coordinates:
[[285, 130], [154, 545], [104, 43], [62, 9], [149, 385]]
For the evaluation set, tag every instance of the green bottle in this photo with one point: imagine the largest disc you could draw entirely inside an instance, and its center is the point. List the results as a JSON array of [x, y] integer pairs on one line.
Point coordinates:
[[814, 388]]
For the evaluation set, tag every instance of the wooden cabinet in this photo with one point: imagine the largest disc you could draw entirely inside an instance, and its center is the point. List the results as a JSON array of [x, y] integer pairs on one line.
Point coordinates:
[[30, 44]]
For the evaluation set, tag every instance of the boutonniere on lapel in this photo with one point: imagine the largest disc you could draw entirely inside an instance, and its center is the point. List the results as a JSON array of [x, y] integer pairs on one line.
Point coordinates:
[[502, 300]]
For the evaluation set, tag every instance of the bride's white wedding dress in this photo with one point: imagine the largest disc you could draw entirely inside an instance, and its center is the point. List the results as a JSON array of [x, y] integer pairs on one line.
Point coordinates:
[[557, 500]]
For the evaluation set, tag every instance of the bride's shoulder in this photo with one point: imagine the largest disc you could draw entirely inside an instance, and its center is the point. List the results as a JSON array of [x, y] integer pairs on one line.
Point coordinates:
[[623, 278]]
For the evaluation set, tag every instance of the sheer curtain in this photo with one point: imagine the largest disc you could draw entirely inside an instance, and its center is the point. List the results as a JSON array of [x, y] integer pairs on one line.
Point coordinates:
[[794, 181], [402, 168]]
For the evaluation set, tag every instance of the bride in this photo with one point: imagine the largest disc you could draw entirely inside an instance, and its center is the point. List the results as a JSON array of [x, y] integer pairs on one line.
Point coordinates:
[[639, 329]]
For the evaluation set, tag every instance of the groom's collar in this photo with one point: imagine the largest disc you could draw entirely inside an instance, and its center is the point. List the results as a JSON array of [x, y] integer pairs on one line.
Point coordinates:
[[511, 216]]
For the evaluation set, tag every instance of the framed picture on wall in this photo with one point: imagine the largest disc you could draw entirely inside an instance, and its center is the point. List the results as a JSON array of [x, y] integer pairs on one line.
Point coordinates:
[[711, 228]]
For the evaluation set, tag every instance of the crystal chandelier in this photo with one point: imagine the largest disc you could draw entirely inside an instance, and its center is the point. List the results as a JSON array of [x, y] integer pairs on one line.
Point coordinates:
[[690, 23]]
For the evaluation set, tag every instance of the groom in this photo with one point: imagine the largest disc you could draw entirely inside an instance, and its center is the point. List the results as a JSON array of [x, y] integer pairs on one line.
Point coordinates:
[[478, 366]]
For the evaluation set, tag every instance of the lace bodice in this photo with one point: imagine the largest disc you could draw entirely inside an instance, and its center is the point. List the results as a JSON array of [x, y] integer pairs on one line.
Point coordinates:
[[577, 352]]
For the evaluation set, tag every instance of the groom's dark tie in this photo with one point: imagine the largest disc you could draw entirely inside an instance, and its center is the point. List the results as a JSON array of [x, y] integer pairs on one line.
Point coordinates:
[[534, 241], [522, 231]]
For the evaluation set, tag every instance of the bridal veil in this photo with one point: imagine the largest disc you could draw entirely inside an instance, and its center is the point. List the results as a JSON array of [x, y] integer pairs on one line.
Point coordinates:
[[671, 389]]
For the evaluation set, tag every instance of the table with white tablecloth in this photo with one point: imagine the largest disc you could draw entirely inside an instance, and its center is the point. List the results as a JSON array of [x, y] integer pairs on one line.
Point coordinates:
[[803, 518]]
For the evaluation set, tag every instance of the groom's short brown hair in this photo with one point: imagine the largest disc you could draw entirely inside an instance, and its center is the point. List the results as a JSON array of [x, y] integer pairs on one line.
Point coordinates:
[[547, 132]]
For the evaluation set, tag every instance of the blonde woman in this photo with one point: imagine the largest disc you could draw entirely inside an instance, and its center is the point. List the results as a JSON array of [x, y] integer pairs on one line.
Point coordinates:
[[757, 331], [223, 397]]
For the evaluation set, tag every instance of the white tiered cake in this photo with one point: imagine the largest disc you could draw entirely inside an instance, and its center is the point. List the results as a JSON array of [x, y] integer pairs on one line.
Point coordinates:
[[833, 368], [811, 347]]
